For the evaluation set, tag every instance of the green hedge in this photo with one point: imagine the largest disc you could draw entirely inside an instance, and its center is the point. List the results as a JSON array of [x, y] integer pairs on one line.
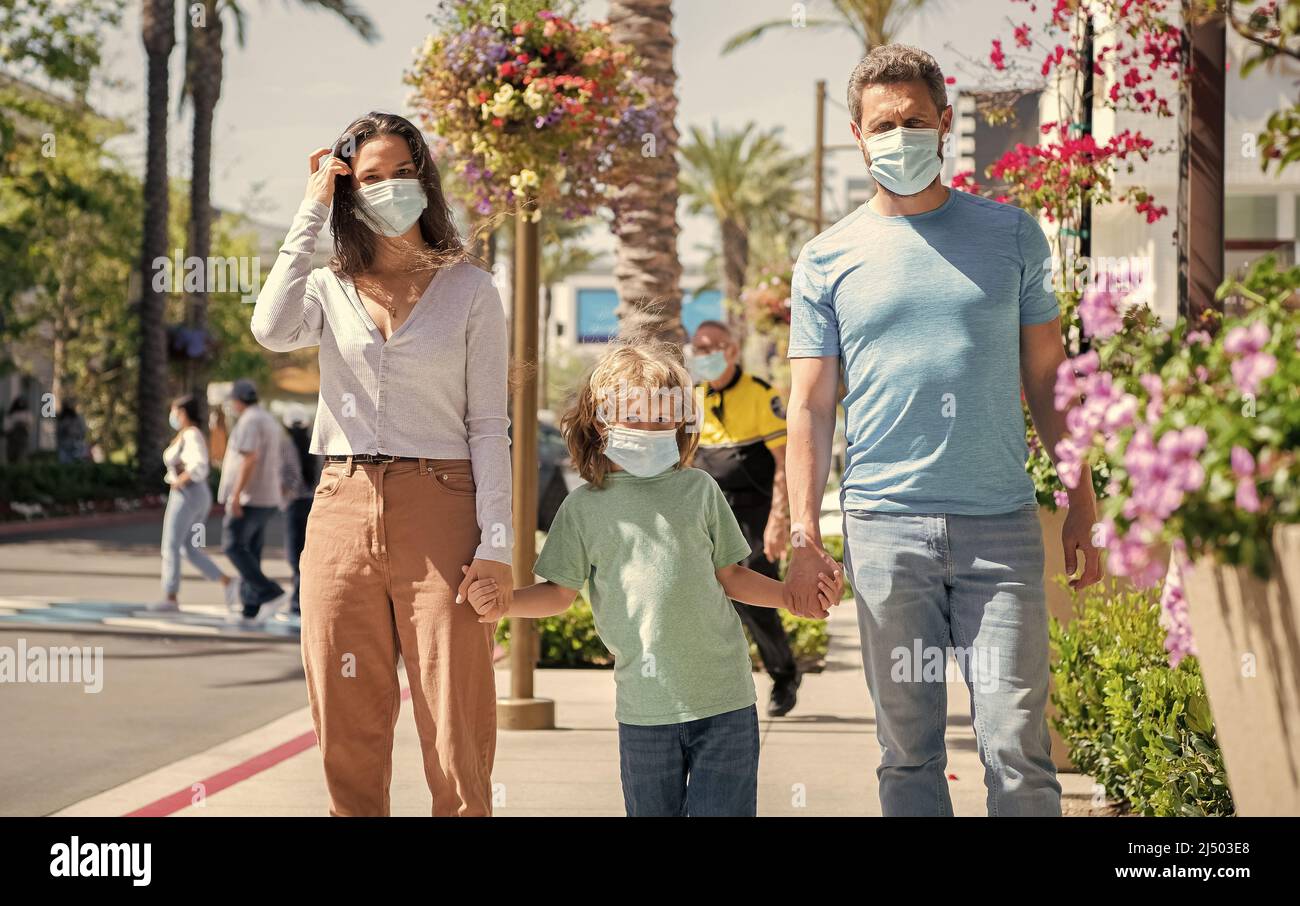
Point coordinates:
[[1140, 728], [57, 486], [570, 640]]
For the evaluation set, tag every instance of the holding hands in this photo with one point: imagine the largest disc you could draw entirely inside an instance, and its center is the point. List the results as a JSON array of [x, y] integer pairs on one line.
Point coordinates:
[[805, 579], [495, 586]]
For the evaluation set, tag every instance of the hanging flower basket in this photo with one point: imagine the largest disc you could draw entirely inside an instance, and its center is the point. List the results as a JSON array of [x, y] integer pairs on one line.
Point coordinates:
[[531, 108]]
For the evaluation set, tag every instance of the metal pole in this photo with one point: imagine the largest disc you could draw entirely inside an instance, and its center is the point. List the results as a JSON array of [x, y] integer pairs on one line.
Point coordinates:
[[1200, 172], [819, 156], [522, 711], [1085, 128]]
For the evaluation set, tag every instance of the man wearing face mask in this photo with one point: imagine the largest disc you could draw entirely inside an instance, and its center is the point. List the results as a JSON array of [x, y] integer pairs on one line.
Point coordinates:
[[934, 304], [742, 445]]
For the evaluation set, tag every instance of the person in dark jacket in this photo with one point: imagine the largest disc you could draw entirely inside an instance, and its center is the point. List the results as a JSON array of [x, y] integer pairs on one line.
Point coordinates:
[[742, 445]]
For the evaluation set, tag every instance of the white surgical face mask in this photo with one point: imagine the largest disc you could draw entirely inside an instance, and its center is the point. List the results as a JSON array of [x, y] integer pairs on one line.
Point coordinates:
[[396, 204], [708, 367], [642, 453], [905, 161], [174, 420]]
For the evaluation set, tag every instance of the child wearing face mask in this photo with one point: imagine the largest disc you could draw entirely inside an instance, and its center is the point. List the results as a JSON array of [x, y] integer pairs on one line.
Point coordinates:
[[659, 551]]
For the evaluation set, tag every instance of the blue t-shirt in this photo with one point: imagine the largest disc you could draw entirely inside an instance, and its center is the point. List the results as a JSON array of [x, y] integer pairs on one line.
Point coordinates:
[[925, 312]]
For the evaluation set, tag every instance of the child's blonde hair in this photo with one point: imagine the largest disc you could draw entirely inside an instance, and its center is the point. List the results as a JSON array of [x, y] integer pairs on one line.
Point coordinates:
[[648, 370]]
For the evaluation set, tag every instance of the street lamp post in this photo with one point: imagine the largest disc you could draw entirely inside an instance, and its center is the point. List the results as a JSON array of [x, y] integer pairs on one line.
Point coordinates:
[[522, 711]]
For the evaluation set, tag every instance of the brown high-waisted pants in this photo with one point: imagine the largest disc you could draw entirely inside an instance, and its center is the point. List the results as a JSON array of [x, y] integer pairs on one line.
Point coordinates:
[[385, 547]]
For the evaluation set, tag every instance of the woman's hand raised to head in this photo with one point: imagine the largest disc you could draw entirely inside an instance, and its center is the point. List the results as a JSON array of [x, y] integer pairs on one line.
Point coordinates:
[[320, 184], [504, 577]]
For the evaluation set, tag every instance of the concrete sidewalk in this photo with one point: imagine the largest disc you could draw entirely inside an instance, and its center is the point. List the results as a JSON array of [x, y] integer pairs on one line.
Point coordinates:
[[819, 761]]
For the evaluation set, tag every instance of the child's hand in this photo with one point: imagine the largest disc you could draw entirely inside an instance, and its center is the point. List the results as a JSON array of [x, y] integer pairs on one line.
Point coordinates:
[[485, 598], [830, 589]]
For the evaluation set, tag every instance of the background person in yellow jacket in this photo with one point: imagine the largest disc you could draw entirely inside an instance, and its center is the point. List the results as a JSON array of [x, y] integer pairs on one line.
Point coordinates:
[[742, 445]]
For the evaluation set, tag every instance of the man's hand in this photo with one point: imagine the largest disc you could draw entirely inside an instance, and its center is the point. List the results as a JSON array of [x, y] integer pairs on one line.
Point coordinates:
[[1076, 535], [775, 537], [235, 508], [806, 563], [502, 574]]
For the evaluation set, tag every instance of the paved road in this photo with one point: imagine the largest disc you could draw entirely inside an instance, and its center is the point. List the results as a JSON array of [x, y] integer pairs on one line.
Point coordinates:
[[162, 699]]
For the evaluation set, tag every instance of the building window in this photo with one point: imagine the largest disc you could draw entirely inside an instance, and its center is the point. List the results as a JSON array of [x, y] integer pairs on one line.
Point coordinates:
[[706, 305], [1250, 217], [597, 315]]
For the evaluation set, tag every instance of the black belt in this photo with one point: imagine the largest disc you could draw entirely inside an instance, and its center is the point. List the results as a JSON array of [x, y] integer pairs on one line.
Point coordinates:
[[371, 458]]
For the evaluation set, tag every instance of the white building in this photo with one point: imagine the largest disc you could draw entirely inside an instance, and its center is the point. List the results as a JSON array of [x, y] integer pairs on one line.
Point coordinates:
[[1260, 210]]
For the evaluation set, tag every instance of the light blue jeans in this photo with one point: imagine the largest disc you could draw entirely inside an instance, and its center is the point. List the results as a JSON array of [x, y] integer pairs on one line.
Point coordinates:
[[186, 508], [972, 584]]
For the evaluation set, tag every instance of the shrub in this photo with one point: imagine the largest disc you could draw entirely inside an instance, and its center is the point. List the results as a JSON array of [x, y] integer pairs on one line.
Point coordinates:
[[1140, 728], [568, 639], [67, 488]]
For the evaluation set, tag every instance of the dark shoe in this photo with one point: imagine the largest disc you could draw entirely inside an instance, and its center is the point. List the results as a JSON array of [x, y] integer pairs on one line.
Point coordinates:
[[785, 693]]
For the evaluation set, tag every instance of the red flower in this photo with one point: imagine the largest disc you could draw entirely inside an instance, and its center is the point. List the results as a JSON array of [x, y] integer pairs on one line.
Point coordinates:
[[996, 56]]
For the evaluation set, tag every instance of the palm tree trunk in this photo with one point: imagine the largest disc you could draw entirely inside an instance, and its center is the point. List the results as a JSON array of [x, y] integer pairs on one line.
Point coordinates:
[[735, 265], [645, 211], [158, 29], [203, 65]]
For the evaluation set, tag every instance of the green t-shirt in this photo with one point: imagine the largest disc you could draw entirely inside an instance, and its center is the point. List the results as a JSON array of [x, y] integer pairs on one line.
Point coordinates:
[[649, 548]]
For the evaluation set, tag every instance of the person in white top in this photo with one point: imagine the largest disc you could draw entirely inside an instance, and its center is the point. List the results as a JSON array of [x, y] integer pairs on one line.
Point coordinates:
[[188, 503], [414, 502]]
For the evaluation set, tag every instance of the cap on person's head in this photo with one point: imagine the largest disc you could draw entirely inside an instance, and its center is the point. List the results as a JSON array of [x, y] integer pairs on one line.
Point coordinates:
[[244, 390]]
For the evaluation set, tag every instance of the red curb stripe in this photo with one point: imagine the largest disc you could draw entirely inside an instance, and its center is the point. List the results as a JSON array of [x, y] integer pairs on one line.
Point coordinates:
[[184, 798]]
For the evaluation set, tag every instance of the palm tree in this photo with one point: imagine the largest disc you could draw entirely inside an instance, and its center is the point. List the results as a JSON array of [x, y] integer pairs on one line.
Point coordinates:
[[647, 268], [204, 70], [875, 22], [158, 30], [749, 182]]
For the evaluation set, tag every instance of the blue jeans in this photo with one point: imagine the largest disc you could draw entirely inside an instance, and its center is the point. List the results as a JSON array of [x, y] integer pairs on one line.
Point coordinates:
[[925, 584], [187, 507], [295, 537], [701, 768], [242, 542]]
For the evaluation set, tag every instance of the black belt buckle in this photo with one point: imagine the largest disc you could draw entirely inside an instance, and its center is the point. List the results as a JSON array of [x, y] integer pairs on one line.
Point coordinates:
[[376, 458]]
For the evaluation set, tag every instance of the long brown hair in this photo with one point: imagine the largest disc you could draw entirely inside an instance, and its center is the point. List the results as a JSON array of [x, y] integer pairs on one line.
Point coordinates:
[[354, 241]]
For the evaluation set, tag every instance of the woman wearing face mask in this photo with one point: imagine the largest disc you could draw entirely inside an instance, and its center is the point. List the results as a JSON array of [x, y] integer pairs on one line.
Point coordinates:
[[188, 503], [414, 501]]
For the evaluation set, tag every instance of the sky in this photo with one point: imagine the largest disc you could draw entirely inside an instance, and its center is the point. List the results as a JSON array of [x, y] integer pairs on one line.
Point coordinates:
[[302, 75]]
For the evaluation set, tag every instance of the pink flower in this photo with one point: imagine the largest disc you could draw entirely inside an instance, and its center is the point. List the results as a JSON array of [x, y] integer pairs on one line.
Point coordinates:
[[1198, 338], [1173, 608], [1155, 389], [1061, 498], [1243, 464], [1132, 553], [1249, 371], [1099, 312], [1246, 339], [1247, 496]]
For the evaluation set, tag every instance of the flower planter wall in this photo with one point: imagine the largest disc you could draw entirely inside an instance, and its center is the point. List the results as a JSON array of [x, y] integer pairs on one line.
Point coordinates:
[[1247, 635], [1060, 605]]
